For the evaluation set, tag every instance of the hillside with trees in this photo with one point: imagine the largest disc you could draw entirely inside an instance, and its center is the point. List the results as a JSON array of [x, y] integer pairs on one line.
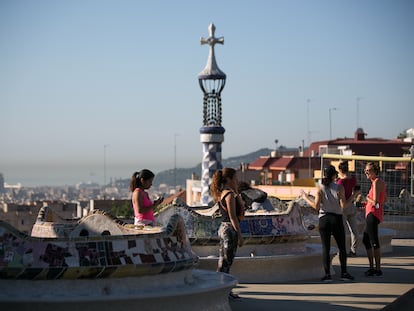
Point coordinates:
[[182, 174]]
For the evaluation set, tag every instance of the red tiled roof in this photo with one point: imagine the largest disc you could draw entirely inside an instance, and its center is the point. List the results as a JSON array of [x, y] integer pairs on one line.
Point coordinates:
[[259, 163], [361, 145], [369, 147], [281, 163], [295, 163], [262, 163]]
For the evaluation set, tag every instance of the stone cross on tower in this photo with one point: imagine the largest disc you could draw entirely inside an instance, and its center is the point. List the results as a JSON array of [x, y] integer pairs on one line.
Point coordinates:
[[212, 70], [211, 80], [212, 40]]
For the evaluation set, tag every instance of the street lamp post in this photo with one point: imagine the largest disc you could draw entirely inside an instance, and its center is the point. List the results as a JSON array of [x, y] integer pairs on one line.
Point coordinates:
[[412, 167], [330, 121], [276, 141], [175, 161], [358, 99], [105, 146], [307, 121]]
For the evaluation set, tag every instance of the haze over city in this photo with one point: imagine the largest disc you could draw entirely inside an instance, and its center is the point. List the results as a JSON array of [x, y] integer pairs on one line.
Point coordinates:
[[88, 82]]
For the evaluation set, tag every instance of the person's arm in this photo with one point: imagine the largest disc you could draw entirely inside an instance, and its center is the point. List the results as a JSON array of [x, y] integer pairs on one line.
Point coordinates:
[[316, 204], [231, 209], [345, 203], [135, 202], [239, 198], [143, 209], [377, 188]]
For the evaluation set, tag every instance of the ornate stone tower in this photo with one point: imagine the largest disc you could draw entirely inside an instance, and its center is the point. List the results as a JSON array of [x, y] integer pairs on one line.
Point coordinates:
[[212, 81]]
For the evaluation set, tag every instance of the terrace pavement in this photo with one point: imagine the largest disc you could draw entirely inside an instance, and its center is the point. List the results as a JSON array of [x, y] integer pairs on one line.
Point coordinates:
[[394, 291]]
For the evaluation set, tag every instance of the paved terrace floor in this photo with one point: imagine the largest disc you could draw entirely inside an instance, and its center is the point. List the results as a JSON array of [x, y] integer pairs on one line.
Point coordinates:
[[394, 291]]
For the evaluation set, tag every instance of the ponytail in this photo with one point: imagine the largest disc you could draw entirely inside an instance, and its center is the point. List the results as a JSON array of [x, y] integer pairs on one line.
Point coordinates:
[[216, 185], [135, 181], [218, 180]]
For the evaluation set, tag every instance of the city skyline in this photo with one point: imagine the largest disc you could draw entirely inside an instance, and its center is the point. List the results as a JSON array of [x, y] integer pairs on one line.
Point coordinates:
[[78, 76]]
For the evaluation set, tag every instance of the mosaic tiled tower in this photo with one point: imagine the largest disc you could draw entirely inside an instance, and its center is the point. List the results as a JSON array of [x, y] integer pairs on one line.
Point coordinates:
[[212, 81]]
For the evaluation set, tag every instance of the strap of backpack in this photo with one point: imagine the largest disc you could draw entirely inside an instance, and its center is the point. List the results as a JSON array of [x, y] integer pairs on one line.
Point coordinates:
[[222, 199]]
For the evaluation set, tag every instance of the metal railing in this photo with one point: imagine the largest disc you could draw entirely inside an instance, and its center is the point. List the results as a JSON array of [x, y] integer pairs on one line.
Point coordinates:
[[397, 172]]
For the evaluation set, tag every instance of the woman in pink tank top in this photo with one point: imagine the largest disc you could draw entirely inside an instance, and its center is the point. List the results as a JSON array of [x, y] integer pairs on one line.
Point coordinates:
[[142, 204]]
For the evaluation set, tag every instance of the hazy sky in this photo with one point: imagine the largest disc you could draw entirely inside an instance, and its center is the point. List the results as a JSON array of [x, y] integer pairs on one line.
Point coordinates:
[[78, 75]]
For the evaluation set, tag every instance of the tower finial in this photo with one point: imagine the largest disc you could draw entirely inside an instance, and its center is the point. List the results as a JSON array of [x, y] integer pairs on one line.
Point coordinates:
[[211, 71]]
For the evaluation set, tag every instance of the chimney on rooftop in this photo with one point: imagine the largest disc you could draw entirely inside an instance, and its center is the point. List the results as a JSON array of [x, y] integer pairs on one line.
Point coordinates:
[[359, 134]]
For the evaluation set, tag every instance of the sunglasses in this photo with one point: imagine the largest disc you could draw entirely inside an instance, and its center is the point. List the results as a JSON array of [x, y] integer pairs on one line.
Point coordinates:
[[366, 171]]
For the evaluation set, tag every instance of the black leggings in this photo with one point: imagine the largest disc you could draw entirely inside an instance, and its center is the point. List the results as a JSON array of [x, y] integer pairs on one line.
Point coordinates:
[[228, 246], [370, 238], [332, 224]]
